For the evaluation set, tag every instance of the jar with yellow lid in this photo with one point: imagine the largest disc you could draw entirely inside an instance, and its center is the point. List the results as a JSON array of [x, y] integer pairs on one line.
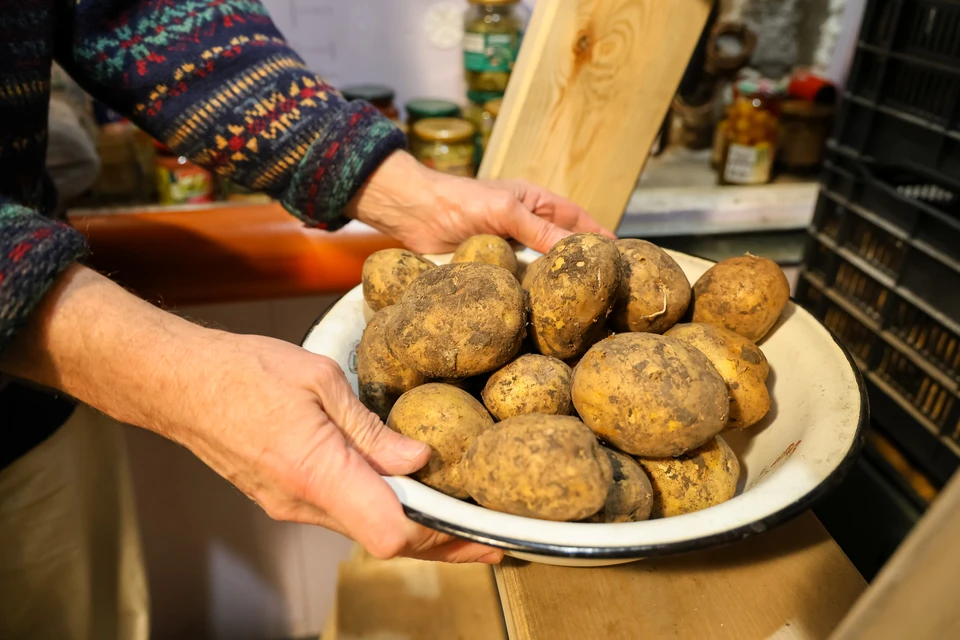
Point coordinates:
[[747, 136], [492, 33], [482, 117], [445, 144]]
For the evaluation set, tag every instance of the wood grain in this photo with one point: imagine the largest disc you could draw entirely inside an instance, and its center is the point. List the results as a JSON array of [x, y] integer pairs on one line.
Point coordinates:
[[791, 582], [225, 253], [587, 96], [915, 594]]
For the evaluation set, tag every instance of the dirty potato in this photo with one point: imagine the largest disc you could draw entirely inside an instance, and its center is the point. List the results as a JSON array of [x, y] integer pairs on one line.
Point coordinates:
[[386, 275], [741, 364], [530, 384], [449, 420], [696, 480], [538, 466], [745, 295], [382, 378], [572, 293], [649, 395], [458, 320], [654, 292], [489, 249], [631, 497]]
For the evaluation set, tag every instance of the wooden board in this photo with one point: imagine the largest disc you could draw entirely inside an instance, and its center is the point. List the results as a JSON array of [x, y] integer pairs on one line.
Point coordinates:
[[588, 94], [915, 594], [414, 600], [793, 582]]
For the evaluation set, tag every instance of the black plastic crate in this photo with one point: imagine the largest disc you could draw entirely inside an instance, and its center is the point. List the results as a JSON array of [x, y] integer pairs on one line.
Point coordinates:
[[901, 105]]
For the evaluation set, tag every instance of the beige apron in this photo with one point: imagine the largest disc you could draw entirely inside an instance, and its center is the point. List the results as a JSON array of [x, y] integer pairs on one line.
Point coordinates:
[[71, 566]]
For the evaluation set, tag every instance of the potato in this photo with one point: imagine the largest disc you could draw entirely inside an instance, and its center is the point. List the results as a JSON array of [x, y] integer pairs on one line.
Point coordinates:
[[458, 320], [654, 292], [650, 395], [744, 294], [631, 496], [449, 420], [526, 281], [382, 378], [386, 275], [572, 293], [741, 364], [696, 480], [489, 249], [530, 384], [539, 466]]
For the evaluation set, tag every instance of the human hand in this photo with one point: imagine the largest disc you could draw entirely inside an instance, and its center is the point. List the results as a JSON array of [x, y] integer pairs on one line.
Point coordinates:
[[280, 423], [285, 427], [430, 212]]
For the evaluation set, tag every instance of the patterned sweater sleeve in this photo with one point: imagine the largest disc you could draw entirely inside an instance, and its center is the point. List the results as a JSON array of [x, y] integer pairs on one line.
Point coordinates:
[[215, 81], [34, 250]]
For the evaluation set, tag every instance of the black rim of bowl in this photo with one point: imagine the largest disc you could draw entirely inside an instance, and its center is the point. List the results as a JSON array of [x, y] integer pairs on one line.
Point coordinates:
[[766, 523]]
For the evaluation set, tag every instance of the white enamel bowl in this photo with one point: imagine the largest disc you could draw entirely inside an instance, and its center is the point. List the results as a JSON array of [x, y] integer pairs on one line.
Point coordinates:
[[800, 450]]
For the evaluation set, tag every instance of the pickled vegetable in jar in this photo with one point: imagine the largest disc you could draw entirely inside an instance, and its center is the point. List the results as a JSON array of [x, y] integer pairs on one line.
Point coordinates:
[[493, 30], [748, 135], [445, 144], [482, 117]]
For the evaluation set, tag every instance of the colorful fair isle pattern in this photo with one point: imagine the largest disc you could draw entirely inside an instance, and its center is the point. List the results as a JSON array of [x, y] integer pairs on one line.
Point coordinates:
[[212, 79]]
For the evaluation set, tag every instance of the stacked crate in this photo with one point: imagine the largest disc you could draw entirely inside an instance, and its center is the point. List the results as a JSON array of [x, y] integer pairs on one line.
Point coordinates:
[[882, 265]]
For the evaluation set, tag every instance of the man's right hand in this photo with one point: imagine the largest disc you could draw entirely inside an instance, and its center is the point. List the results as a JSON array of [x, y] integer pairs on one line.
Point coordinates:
[[280, 423]]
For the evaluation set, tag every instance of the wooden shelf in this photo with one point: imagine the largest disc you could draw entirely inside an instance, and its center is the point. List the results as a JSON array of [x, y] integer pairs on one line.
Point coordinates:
[[224, 253]]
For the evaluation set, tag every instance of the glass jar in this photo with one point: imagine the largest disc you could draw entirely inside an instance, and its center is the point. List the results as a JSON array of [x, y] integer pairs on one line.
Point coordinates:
[[179, 181], [482, 117], [380, 96], [747, 137], [493, 30], [446, 145], [424, 108]]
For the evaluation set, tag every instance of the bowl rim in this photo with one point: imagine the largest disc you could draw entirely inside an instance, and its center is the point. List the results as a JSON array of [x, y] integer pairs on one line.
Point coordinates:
[[775, 519]]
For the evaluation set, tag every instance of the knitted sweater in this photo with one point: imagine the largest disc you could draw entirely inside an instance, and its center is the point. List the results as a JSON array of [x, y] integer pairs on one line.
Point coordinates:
[[212, 79]]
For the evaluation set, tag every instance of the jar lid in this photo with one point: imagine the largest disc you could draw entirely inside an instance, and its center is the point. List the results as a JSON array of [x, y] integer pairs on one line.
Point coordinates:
[[368, 92], [493, 107], [431, 108], [760, 87], [443, 129]]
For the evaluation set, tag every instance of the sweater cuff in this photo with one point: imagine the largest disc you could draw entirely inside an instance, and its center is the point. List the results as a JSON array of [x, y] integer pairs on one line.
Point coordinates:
[[347, 151], [34, 251]]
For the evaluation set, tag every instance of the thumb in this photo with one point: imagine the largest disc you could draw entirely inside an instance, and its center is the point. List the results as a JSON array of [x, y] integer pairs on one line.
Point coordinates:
[[530, 229], [387, 451]]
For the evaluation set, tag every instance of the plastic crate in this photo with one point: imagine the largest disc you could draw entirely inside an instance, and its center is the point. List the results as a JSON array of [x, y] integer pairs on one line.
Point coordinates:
[[882, 272], [901, 105]]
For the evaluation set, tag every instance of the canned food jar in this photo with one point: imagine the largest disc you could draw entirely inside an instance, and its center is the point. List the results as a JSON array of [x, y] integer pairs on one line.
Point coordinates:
[[446, 145], [380, 96], [748, 134], [493, 30], [179, 181]]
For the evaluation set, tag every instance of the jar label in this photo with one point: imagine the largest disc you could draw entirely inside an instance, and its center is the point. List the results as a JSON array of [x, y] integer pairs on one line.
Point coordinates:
[[185, 185], [490, 51], [748, 165]]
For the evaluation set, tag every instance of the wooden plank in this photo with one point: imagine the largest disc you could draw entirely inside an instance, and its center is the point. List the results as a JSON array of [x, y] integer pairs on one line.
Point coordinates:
[[414, 600], [587, 96], [915, 594], [791, 582], [225, 253]]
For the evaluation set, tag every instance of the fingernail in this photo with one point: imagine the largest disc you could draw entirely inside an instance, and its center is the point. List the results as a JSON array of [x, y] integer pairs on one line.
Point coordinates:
[[409, 449], [494, 557]]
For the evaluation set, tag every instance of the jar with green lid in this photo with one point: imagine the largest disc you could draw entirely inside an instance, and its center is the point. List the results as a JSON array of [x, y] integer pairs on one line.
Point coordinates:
[[423, 108], [380, 96], [446, 145], [493, 30]]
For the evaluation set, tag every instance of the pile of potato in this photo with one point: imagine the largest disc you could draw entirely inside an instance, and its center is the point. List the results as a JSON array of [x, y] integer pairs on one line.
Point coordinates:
[[569, 391]]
